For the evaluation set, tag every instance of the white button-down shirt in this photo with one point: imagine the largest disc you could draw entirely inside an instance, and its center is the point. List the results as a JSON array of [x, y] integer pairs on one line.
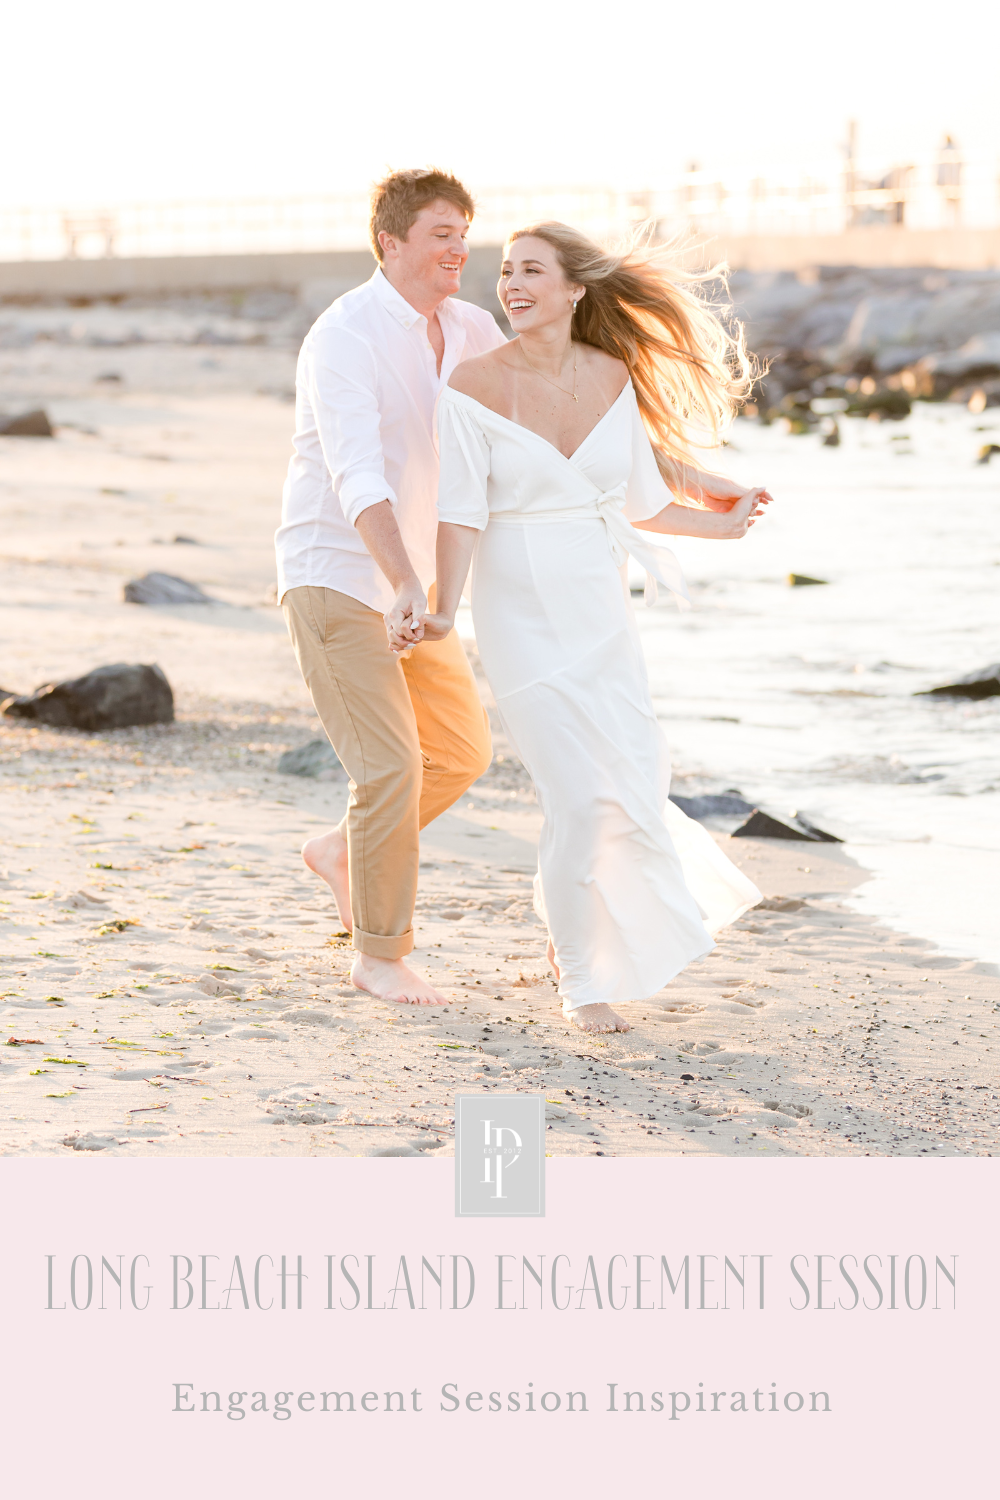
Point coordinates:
[[366, 391]]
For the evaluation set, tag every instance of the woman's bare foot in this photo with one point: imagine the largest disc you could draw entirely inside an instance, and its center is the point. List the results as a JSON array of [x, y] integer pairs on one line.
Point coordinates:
[[391, 979], [550, 954], [599, 1017], [326, 856]]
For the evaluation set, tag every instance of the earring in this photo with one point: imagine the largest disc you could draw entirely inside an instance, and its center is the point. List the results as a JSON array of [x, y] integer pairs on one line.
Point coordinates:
[[574, 304]]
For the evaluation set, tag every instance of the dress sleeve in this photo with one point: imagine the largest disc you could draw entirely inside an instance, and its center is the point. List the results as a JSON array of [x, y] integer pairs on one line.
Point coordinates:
[[647, 492], [465, 466]]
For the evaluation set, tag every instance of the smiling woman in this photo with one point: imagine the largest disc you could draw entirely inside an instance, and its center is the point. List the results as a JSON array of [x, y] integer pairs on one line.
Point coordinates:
[[555, 448], [689, 371]]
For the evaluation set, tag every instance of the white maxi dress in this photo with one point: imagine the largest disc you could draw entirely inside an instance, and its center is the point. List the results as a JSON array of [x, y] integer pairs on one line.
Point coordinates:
[[629, 888]]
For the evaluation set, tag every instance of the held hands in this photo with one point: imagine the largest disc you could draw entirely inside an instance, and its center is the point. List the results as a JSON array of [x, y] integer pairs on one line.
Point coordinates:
[[404, 622], [436, 627], [408, 621]]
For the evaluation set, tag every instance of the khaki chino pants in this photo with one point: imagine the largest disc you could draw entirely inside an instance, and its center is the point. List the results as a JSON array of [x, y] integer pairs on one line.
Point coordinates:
[[412, 734]]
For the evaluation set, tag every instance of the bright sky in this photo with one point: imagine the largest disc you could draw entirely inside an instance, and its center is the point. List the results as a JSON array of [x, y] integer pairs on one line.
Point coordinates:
[[114, 101]]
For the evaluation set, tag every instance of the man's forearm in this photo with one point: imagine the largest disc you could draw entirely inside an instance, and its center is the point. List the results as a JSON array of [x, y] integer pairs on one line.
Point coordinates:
[[377, 528]]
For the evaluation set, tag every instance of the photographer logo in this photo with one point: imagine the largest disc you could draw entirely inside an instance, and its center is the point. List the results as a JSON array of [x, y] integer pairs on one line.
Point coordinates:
[[500, 1155]]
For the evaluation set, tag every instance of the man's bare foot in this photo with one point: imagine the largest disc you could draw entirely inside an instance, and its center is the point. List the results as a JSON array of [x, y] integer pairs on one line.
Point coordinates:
[[391, 979], [550, 954], [326, 856], [599, 1017]]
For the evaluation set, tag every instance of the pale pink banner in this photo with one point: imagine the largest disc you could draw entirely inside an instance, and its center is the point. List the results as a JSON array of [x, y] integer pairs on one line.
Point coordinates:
[[90, 1394]]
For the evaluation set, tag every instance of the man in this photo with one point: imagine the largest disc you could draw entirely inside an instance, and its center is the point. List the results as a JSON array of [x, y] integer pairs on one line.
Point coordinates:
[[356, 544]]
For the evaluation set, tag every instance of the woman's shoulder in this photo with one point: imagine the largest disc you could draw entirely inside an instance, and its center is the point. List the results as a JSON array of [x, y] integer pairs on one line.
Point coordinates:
[[611, 373], [481, 377]]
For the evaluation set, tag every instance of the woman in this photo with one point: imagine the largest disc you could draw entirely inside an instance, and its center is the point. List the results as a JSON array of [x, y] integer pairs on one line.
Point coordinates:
[[548, 466]]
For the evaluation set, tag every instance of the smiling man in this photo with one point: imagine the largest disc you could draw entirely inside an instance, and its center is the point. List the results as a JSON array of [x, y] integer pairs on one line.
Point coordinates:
[[356, 558]]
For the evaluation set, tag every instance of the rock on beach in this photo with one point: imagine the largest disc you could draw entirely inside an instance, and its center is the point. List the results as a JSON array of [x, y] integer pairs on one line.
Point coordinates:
[[26, 424], [761, 825], [164, 588], [317, 759], [112, 697], [716, 805], [982, 684]]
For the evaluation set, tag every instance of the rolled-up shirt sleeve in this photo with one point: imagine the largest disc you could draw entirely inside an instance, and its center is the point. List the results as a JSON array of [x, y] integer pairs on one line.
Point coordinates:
[[465, 465], [343, 391]]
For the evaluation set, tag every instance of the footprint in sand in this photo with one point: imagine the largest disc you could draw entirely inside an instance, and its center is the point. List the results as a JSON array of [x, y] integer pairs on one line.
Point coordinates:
[[712, 1111], [745, 999]]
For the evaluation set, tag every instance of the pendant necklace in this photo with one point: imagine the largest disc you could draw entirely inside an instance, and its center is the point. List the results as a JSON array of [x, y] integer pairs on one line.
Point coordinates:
[[552, 382]]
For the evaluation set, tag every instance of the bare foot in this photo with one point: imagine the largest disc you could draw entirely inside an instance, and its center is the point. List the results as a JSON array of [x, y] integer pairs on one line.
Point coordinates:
[[599, 1017], [390, 979], [550, 954], [326, 856]]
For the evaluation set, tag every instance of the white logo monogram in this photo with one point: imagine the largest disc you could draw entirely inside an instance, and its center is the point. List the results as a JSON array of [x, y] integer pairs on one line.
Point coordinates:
[[494, 1134], [496, 1154]]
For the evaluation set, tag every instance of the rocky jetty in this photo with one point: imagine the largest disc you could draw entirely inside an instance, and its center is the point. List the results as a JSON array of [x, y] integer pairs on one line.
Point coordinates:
[[868, 342]]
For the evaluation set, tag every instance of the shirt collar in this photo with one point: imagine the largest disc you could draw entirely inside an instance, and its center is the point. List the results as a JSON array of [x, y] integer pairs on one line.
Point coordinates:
[[398, 305], [391, 299]]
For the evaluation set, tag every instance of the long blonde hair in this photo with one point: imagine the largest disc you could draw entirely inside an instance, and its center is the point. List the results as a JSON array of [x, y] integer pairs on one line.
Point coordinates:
[[690, 370]]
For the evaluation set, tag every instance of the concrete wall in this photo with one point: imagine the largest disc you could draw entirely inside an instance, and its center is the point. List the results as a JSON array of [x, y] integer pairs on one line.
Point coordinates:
[[156, 275], [881, 246], [332, 272]]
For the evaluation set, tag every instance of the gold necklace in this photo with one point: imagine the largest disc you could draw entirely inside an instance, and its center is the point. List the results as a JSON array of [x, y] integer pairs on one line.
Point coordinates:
[[546, 378]]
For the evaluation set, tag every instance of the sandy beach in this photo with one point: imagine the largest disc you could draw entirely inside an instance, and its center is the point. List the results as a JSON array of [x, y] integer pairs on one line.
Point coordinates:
[[172, 976]]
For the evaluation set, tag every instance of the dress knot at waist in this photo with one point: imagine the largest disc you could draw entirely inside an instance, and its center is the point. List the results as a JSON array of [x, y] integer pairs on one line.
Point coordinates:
[[623, 540]]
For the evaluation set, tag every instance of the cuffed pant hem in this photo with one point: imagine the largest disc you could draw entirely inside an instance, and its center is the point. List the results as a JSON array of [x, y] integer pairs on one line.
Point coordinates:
[[377, 945]]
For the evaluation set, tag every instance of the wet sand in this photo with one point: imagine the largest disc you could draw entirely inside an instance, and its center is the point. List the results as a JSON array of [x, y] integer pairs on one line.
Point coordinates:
[[171, 977]]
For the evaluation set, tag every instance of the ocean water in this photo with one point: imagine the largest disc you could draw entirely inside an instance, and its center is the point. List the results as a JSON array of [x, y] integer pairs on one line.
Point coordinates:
[[804, 698]]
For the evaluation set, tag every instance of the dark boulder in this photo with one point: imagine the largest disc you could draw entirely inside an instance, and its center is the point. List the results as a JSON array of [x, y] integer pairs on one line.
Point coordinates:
[[721, 805], [885, 402], [317, 759], [27, 424], [164, 588], [982, 684], [112, 697], [760, 825]]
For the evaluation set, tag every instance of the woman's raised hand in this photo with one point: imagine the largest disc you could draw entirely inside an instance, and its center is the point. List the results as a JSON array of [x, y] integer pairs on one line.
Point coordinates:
[[712, 492], [736, 521]]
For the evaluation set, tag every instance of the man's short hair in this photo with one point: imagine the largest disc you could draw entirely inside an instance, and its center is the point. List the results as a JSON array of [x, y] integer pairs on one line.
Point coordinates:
[[398, 198]]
